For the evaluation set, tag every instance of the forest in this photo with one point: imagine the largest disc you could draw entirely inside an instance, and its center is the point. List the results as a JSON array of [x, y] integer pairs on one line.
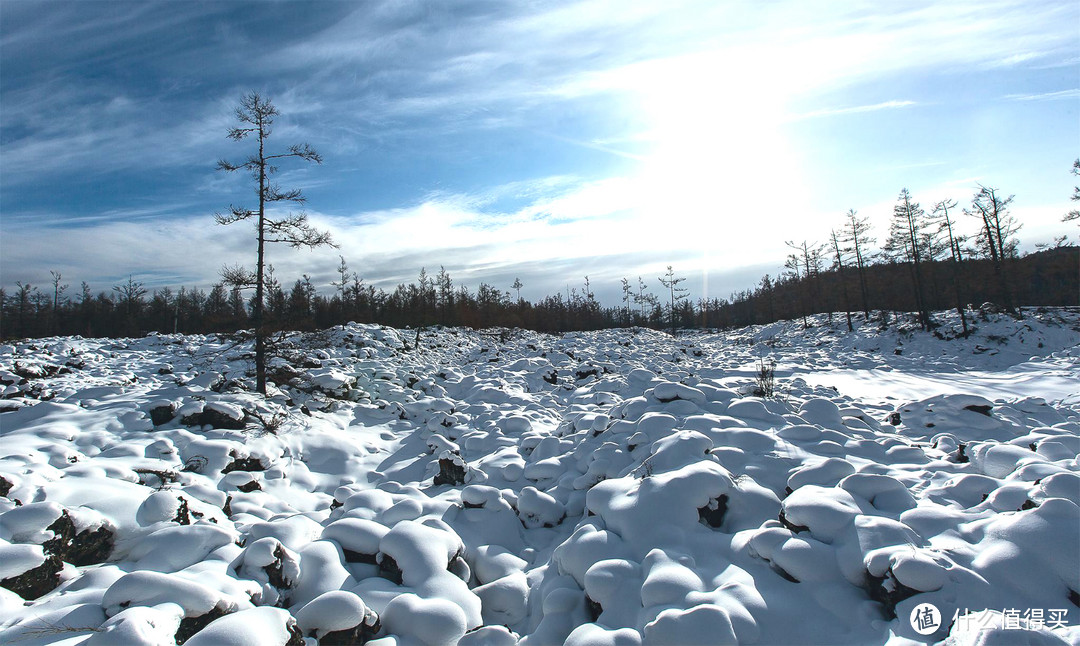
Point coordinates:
[[1045, 277]]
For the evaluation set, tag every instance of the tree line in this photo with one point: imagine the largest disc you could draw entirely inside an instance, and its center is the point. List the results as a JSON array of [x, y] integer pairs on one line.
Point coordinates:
[[881, 292]]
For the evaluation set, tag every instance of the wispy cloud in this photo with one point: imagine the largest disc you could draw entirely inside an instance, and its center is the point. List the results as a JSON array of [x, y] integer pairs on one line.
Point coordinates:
[[1073, 93], [858, 109]]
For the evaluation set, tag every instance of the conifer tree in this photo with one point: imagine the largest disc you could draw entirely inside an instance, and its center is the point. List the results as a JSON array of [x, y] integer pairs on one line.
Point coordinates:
[[256, 116]]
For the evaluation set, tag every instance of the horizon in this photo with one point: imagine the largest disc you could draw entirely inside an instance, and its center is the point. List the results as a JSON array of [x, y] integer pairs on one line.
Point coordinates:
[[544, 143]]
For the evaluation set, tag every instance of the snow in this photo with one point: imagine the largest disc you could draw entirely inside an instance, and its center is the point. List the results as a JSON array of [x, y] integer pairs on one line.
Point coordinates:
[[620, 487]]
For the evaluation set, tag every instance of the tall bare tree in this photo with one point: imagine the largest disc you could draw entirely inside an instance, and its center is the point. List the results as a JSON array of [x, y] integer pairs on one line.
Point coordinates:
[[997, 240], [675, 293], [256, 115], [1074, 214], [807, 256], [945, 225], [904, 244], [58, 289], [840, 253], [856, 232]]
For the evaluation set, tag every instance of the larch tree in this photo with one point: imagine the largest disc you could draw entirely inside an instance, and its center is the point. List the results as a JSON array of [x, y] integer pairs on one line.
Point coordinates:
[[626, 295], [903, 244], [839, 262], [941, 216], [1074, 214], [676, 294], [256, 116], [809, 257], [856, 233], [997, 240]]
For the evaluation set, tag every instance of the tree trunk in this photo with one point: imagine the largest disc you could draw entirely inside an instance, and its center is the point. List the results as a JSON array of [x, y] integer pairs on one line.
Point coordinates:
[[257, 311]]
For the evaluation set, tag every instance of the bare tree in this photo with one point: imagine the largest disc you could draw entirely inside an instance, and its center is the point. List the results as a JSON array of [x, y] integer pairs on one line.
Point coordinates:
[[855, 232], [626, 293], [945, 225], [843, 279], [642, 299], [517, 286], [58, 289], [675, 293], [1075, 213], [256, 115], [903, 244], [997, 240], [809, 257]]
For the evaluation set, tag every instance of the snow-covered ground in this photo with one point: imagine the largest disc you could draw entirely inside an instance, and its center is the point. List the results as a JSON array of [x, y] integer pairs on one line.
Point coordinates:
[[502, 487]]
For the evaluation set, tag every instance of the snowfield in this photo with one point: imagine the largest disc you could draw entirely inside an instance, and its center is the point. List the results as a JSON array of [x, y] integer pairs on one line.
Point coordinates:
[[618, 487]]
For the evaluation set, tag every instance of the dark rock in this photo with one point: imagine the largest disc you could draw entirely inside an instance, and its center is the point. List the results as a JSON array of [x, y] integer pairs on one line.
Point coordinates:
[[195, 464], [594, 608], [551, 377], [244, 464], [712, 514], [191, 625], [585, 374], [790, 525], [88, 547], [5, 486], [887, 591], [1074, 598], [388, 568], [359, 557], [217, 419], [248, 487], [961, 457], [1028, 504], [183, 514], [162, 414], [450, 472], [459, 567], [37, 581], [361, 634], [894, 418], [274, 573], [982, 410], [296, 636]]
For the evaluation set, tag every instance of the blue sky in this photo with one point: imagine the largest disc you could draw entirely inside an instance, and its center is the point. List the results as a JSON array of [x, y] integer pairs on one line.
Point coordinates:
[[540, 140]]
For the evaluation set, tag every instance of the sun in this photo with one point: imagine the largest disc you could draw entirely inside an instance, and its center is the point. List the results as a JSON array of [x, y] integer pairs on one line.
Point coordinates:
[[720, 156]]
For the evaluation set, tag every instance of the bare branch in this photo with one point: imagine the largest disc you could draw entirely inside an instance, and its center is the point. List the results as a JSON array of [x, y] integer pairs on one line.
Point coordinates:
[[275, 194], [239, 133], [296, 231], [238, 276], [235, 214]]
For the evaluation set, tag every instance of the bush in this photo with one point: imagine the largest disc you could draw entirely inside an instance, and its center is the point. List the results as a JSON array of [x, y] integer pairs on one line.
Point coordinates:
[[765, 382]]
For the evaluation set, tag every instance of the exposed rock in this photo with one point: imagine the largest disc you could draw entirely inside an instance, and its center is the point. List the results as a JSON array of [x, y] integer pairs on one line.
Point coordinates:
[[713, 513], [361, 634], [887, 591], [162, 413], [451, 471], [88, 547], [244, 464], [37, 581], [388, 568], [191, 625]]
